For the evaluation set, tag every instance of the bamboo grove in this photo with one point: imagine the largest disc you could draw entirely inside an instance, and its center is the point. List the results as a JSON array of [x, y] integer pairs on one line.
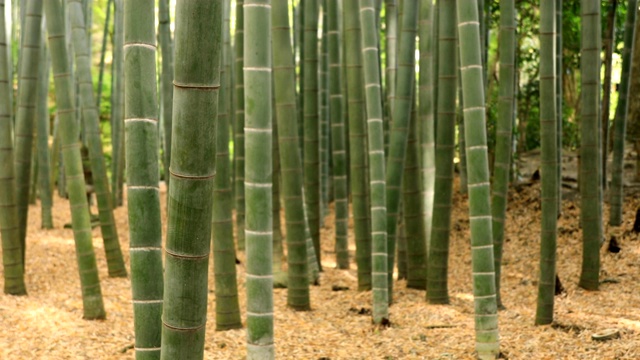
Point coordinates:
[[362, 109]]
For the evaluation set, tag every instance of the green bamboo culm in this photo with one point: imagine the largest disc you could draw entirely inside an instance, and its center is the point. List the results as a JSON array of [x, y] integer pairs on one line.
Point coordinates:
[[117, 105], [437, 285], [391, 66], [323, 93], [198, 53], [357, 143], [238, 140], [45, 190], [280, 275], [413, 213], [24, 121], [549, 161], [400, 127], [224, 252], [426, 119], [11, 249], [290, 158], [559, 98], [506, 104], [373, 93], [338, 136], [103, 51], [310, 102], [91, 123], [484, 291], [141, 127], [166, 82], [620, 121], [93, 306], [590, 187], [258, 179]]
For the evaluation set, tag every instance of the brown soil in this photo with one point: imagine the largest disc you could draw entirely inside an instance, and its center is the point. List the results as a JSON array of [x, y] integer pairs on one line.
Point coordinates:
[[48, 324]]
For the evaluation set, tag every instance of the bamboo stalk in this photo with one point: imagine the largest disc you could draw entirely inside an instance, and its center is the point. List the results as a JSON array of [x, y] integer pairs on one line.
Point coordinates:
[[93, 306], [11, 249]]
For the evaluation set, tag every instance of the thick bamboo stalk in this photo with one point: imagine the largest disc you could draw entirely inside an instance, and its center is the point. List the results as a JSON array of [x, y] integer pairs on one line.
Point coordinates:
[[290, 159], [91, 122], [117, 104], [310, 109], [11, 249], [504, 132], [238, 141], [437, 290], [198, 52], [357, 144], [405, 89], [608, 44], [323, 93], [280, 276], [371, 72], [141, 127], [620, 121], [166, 83], [559, 98], [338, 136], [590, 160], [472, 73], [103, 52], [42, 124], [549, 162], [412, 213], [258, 179], [391, 66], [24, 122], [224, 252], [426, 118], [93, 307]]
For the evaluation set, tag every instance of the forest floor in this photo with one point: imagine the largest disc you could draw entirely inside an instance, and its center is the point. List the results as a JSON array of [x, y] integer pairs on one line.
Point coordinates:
[[48, 324]]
